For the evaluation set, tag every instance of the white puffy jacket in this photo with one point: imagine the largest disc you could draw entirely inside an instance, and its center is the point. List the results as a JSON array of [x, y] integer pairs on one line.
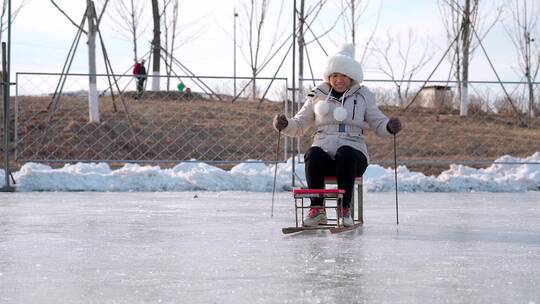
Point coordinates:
[[318, 112]]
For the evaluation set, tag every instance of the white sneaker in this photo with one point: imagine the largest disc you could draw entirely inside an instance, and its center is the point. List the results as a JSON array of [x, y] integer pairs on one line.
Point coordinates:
[[315, 218], [347, 217]]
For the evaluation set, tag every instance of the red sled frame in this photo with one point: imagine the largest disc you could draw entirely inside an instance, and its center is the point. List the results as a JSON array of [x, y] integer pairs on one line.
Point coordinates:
[[327, 195]]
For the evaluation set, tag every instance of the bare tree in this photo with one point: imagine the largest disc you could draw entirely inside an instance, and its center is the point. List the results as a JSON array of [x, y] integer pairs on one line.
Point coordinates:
[[93, 20], [394, 60], [173, 38], [461, 18], [352, 11], [303, 28], [305, 18], [522, 27], [14, 13], [128, 21], [170, 21], [355, 8], [259, 47]]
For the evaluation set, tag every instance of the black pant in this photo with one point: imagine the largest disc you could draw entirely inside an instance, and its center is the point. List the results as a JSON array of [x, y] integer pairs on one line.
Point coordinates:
[[140, 85], [347, 165]]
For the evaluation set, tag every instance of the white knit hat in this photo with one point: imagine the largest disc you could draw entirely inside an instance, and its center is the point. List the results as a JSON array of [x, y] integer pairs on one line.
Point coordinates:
[[344, 63]]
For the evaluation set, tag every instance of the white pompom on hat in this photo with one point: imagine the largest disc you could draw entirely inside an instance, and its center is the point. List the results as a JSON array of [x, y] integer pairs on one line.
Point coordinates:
[[343, 62]]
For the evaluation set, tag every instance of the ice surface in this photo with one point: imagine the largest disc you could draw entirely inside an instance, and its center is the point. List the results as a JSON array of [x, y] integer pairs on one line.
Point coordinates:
[[223, 247], [259, 177]]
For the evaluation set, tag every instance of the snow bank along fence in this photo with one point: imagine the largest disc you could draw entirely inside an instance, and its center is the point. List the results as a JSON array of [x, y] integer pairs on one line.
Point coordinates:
[[199, 118]]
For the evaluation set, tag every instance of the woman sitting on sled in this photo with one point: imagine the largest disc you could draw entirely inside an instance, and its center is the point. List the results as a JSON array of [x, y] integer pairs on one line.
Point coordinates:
[[338, 110]]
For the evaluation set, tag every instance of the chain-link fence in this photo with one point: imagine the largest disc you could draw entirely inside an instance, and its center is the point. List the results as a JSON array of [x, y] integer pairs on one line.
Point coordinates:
[[201, 120], [189, 118]]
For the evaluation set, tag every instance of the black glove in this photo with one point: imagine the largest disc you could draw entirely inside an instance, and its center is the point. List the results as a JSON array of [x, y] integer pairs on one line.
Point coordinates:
[[394, 125], [280, 122]]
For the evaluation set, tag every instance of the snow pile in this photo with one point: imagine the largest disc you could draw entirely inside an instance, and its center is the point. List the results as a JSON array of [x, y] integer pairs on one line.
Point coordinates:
[[187, 176], [252, 176], [459, 178]]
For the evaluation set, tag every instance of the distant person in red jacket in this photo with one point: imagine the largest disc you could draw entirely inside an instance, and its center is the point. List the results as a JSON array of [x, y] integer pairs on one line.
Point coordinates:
[[139, 72]]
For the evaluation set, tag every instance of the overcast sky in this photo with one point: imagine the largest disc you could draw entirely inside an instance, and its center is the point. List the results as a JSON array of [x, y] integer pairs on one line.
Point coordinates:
[[42, 37]]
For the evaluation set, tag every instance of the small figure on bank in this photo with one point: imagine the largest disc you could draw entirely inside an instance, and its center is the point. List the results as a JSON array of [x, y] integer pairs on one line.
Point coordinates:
[[338, 110], [139, 72], [181, 86]]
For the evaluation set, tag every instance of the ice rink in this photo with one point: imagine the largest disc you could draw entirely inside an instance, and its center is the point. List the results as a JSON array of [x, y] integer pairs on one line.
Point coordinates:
[[223, 247]]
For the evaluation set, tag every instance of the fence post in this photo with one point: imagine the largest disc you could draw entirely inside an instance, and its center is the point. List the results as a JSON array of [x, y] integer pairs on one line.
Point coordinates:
[[5, 89]]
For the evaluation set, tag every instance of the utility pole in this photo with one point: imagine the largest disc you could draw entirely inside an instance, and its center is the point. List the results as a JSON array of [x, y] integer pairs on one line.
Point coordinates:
[[465, 59], [93, 101]]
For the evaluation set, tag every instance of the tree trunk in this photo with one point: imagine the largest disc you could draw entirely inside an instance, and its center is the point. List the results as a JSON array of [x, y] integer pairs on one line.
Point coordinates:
[[528, 75], [353, 29], [531, 97], [173, 40], [4, 10], [457, 74], [134, 32], [254, 84], [301, 45], [156, 46], [93, 101], [465, 59], [166, 43], [234, 52]]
